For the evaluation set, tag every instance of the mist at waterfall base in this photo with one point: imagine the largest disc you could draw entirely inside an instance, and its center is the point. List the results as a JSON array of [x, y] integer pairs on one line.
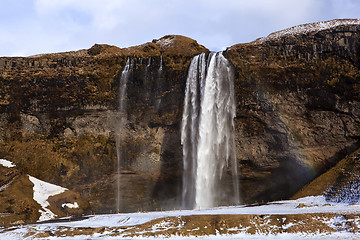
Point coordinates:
[[207, 133]]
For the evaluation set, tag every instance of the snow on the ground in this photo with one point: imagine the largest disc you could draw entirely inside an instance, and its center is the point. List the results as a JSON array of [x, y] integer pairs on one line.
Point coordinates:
[[312, 27], [2, 188], [70, 205], [316, 204], [242, 236], [300, 206], [7, 163], [42, 191], [166, 42]]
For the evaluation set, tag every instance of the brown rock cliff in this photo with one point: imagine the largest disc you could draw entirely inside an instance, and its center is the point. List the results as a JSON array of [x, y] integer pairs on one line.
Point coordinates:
[[298, 114]]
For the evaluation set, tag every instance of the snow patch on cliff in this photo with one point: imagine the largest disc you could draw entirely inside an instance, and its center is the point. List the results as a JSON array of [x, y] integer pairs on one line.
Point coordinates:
[[70, 205], [42, 191], [166, 41], [7, 163], [307, 28]]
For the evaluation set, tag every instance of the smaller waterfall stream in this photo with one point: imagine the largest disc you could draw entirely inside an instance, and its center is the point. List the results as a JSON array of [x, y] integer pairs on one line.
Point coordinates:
[[121, 122], [158, 84], [207, 131]]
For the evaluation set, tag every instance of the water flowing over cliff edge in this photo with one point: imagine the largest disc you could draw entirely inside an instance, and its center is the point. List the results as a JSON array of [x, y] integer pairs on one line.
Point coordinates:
[[297, 103], [207, 133]]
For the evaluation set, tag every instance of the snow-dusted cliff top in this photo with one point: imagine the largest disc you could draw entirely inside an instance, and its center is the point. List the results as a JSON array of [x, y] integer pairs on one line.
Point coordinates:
[[307, 28]]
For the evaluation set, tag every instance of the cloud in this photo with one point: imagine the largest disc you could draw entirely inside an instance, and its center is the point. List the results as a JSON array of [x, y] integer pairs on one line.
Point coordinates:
[[37, 26], [101, 13], [344, 8], [94, 6]]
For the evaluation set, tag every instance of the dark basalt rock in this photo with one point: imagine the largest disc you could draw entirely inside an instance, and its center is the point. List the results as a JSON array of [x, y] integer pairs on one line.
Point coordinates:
[[297, 115]]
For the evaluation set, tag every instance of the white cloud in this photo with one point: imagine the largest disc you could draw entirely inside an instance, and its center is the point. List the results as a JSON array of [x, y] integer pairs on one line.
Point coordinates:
[[103, 13], [51, 6], [344, 8], [37, 26], [274, 11]]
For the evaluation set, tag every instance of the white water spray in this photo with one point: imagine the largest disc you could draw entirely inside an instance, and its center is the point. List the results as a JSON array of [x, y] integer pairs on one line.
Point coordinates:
[[189, 127], [121, 122], [158, 86], [161, 65], [207, 132]]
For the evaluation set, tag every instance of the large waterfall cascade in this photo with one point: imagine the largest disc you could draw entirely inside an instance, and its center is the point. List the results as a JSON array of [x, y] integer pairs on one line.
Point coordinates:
[[207, 131]]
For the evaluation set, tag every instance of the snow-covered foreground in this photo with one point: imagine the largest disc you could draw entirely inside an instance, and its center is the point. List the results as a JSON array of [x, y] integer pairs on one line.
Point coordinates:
[[306, 218]]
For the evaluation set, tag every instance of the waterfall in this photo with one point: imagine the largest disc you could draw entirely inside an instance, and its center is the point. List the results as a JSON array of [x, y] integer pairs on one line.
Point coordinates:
[[207, 131], [158, 85], [121, 122], [189, 127], [161, 65]]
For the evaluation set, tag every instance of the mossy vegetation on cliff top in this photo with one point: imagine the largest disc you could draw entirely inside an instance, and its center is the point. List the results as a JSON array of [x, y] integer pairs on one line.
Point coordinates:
[[72, 80]]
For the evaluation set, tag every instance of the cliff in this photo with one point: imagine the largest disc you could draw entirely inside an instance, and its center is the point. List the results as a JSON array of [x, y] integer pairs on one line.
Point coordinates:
[[59, 113], [298, 105], [297, 94]]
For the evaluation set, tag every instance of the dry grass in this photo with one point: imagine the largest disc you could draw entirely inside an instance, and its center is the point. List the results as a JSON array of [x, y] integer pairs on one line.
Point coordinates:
[[17, 202]]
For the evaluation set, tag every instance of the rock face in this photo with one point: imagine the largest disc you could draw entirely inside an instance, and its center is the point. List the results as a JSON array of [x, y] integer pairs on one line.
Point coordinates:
[[339, 184], [19, 202], [298, 105], [59, 114], [298, 113]]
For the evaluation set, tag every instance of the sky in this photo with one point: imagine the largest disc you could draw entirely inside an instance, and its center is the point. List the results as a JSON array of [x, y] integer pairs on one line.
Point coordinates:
[[29, 27]]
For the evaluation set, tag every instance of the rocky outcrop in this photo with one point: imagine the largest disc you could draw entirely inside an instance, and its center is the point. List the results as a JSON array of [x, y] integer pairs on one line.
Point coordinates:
[[338, 184], [297, 95], [59, 113], [18, 199], [298, 105]]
